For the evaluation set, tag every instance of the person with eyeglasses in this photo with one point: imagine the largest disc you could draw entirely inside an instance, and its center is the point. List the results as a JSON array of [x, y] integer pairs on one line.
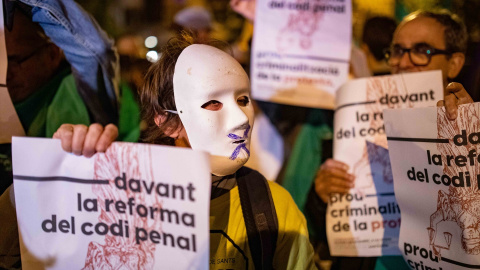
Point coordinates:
[[424, 40], [432, 40], [427, 40]]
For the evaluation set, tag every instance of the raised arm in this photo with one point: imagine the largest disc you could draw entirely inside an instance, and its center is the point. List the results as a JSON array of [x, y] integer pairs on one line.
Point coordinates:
[[246, 8]]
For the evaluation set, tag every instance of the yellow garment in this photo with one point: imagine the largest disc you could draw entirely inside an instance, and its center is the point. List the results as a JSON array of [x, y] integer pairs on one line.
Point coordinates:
[[228, 236]]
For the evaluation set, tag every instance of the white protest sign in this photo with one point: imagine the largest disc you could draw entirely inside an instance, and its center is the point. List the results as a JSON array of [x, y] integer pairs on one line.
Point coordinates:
[[366, 221], [136, 206], [266, 148], [301, 51], [435, 164], [9, 122]]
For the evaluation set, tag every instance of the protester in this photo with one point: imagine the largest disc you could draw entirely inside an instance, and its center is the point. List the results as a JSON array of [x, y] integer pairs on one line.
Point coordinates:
[[87, 48], [427, 40], [423, 41], [427, 37], [195, 96], [61, 69], [63, 85]]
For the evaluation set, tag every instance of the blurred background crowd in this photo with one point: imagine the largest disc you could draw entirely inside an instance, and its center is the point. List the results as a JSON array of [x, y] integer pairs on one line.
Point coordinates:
[[141, 27]]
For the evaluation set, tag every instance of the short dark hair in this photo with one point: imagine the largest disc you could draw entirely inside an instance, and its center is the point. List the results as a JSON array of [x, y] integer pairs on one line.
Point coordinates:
[[455, 33], [157, 96], [378, 34]]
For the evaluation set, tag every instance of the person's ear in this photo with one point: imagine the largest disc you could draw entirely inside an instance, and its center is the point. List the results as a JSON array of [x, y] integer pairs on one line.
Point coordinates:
[[455, 64], [159, 119], [169, 131], [55, 55]]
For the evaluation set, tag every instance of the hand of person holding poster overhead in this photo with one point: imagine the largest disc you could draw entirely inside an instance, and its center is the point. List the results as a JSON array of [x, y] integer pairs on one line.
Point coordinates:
[[333, 177], [246, 8], [458, 95], [83, 140]]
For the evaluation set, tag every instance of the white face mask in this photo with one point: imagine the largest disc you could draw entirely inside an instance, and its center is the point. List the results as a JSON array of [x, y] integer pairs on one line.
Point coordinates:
[[212, 96]]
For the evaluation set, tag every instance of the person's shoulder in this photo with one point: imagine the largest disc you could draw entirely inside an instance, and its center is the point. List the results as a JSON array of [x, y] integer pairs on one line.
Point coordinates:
[[284, 203], [279, 193]]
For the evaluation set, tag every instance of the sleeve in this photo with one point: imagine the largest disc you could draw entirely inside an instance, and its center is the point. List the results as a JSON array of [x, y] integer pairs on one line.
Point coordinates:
[[89, 51], [316, 214], [294, 250]]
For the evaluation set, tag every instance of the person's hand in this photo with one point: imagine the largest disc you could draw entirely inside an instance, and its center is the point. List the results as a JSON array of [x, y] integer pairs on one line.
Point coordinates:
[[246, 8], [333, 177], [83, 140], [457, 95]]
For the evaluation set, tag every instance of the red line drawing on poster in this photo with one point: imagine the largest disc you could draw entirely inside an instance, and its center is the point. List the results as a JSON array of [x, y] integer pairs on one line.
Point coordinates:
[[376, 89], [302, 23], [459, 204], [122, 252]]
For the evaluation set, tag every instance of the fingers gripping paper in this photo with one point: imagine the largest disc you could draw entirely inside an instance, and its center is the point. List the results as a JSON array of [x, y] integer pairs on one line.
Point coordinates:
[[435, 164], [134, 207], [366, 221]]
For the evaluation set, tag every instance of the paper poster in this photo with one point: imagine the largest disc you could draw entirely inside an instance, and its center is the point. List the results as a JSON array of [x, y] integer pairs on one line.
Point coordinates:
[[9, 122], [266, 148], [435, 164], [136, 206], [366, 221], [301, 51]]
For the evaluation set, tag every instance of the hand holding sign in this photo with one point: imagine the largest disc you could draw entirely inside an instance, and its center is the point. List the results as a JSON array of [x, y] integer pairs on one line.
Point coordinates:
[[83, 140], [458, 95], [333, 177], [246, 8]]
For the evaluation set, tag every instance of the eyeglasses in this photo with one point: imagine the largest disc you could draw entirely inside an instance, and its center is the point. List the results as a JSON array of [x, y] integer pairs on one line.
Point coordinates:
[[14, 62], [420, 54]]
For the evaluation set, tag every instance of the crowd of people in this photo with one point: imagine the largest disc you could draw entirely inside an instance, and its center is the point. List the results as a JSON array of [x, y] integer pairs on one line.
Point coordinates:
[[63, 78]]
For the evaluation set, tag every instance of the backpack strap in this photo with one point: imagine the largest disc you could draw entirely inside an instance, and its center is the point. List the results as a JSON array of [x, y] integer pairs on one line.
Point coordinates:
[[259, 215]]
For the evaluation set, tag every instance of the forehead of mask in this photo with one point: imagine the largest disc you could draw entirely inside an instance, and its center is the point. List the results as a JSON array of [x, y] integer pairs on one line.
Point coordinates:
[[204, 73]]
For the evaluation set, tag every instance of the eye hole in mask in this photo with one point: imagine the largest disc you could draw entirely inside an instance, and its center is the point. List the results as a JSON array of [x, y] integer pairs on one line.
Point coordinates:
[[243, 101], [212, 105]]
